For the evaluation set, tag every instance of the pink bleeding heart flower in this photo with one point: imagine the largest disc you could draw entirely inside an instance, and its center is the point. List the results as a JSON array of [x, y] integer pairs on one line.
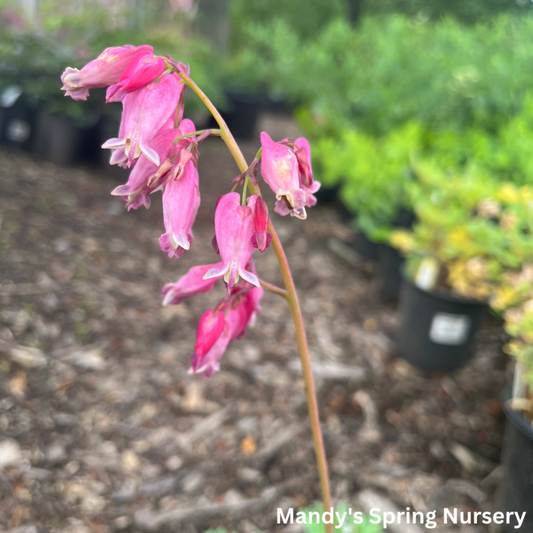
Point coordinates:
[[208, 363], [181, 200], [146, 177], [253, 298], [141, 70], [288, 172], [136, 190], [303, 155], [307, 183], [189, 285], [105, 70], [145, 112], [240, 310], [234, 229], [249, 308], [261, 238], [279, 168], [210, 328]]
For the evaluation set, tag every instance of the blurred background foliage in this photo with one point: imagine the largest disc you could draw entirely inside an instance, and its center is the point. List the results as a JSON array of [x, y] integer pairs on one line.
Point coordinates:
[[374, 84]]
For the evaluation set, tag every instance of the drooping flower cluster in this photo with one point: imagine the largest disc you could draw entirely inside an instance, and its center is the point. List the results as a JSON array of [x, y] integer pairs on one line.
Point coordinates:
[[161, 149]]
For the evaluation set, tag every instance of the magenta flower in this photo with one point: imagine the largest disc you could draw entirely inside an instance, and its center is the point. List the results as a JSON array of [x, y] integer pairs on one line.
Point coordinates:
[[217, 328], [141, 70], [105, 70], [253, 298], [287, 175], [210, 328], [279, 166], [189, 285], [145, 112], [234, 229], [181, 200], [207, 364], [146, 177], [136, 190], [261, 238]]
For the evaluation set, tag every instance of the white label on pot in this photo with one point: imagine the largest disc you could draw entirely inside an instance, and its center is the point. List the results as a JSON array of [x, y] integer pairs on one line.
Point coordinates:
[[18, 131], [10, 95], [426, 277], [449, 329]]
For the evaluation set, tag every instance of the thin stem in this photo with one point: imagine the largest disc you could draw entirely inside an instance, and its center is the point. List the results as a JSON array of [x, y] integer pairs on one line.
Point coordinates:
[[244, 188], [292, 299], [273, 288], [194, 133], [225, 132]]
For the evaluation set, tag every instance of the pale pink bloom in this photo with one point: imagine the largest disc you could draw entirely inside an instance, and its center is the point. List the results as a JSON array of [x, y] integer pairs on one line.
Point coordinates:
[[279, 166], [261, 238], [234, 229], [145, 112], [181, 200], [141, 70], [303, 155], [288, 175], [146, 177], [105, 70], [189, 285], [136, 190]]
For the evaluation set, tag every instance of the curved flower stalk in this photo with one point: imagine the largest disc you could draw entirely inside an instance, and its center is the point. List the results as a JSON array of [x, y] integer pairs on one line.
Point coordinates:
[[163, 150]]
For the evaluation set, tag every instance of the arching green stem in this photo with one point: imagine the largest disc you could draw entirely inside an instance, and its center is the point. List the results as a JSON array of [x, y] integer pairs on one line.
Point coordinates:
[[292, 299]]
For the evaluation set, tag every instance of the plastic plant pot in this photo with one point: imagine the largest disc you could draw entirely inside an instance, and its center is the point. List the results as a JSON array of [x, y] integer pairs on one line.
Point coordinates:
[[436, 331], [17, 119], [327, 195], [242, 115], [62, 141], [366, 248], [390, 263], [58, 140], [516, 488]]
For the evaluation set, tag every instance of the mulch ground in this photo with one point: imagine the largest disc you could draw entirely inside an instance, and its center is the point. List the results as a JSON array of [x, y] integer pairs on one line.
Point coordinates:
[[102, 429]]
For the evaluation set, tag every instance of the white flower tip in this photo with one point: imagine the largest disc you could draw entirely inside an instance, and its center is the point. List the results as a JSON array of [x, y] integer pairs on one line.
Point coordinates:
[[113, 144], [182, 241]]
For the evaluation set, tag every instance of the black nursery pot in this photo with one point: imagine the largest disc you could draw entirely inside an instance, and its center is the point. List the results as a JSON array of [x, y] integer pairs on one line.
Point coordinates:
[[436, 331], [243, 113], [327, 195], [17, 124], [516, 489], [390, 263], [63, 142], [365, 247]]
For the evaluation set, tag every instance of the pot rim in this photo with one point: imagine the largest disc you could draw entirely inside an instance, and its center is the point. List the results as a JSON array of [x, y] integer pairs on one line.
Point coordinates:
[[518, 420], [448, 298]]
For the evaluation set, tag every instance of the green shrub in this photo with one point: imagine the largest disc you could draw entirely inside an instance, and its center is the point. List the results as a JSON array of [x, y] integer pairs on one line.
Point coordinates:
[[391, 70]]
